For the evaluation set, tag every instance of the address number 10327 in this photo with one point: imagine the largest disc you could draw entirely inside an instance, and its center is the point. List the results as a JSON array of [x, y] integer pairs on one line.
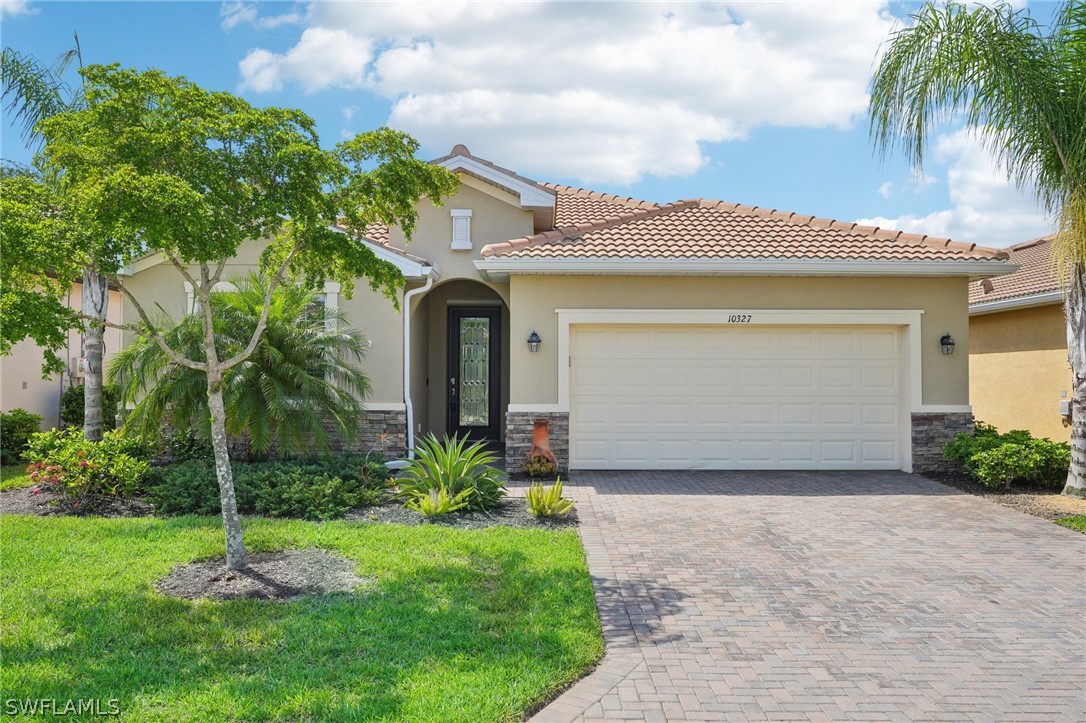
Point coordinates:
[[739, 318]]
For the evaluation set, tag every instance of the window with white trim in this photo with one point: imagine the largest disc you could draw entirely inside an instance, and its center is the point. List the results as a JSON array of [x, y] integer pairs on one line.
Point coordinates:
[[461, 229]]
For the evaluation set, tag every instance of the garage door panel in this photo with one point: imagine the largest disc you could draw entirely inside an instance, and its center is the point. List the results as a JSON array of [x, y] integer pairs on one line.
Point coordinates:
[[735, 398]]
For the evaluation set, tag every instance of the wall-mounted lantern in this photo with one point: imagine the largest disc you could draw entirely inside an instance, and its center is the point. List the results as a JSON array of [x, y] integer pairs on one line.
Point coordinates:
[[534, 341], [947, 342]]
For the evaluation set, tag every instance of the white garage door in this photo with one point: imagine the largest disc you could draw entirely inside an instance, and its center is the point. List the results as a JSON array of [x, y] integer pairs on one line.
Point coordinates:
[[728, 397]]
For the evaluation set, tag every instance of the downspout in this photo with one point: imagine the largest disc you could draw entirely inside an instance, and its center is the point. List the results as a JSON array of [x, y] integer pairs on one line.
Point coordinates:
[[407, 362]]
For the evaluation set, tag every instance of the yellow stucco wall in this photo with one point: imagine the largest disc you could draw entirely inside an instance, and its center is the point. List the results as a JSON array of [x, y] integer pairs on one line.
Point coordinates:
[[1018, 370], [535, 298]]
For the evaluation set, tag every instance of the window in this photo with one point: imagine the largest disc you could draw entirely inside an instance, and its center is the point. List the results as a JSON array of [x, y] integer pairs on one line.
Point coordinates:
[[461, 229]]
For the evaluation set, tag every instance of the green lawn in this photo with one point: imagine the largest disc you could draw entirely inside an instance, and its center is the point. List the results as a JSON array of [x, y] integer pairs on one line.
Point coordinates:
[[1075, 522], [457, 625], [13, 476]]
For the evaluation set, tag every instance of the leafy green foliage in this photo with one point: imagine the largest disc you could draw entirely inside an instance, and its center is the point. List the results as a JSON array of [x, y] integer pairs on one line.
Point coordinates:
[[539, 467], [437, 501], [182, 445], [998, 460], [548, 502], [312, 489], [71, 406], [14, 477], [67, 465], [16, 429], [455, 467], [302, 373]]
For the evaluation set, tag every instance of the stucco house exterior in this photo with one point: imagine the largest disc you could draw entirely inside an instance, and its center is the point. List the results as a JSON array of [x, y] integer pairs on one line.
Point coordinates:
[[21, 382], [1018, 368], [696, 334]]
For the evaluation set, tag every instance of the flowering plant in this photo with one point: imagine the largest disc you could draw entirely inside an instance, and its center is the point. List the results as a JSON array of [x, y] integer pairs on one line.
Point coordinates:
[[64, 463]]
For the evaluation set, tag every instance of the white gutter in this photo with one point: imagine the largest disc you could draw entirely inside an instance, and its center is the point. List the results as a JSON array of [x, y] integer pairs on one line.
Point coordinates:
[[407, 362], [500, 267], [1019, 302]]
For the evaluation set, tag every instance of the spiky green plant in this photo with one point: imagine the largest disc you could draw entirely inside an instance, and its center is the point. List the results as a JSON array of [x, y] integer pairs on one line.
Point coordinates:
[[300, 376], [438, 501], [452, 465], [1022, 88], [548, 501]]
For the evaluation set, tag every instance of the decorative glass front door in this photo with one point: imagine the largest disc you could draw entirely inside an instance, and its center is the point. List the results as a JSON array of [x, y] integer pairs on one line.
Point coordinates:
[[473, 389]]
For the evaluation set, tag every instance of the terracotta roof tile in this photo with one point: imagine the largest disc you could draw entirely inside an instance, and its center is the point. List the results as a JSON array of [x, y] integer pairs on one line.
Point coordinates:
[[699, 229], [378, 234], [1037, 275], [576, 206]]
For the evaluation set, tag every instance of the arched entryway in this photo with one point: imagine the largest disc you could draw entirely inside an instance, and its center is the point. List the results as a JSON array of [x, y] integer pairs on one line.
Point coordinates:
[[460, 361]]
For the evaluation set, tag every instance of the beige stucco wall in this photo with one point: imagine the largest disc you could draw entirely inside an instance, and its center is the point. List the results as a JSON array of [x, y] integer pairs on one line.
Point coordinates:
[[1018, 370], [368, 311], [535, 298], [21, 383]]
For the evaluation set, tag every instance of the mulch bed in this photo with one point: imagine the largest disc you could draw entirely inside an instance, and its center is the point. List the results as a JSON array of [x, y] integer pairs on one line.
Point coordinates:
[[1046, 504], [512, 512], [281, 576]]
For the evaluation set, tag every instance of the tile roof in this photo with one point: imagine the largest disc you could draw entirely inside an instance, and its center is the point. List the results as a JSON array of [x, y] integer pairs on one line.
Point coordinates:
[[701, 229], [378, 234], [1037, 275], [575, 206]]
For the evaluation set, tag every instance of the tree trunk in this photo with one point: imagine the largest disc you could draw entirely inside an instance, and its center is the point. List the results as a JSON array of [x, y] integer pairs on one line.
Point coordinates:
[[235, 547], [95, 303], [1076, 356]]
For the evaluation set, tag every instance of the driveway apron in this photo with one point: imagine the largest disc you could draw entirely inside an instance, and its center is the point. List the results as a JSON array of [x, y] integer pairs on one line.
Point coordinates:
[[825, 596]]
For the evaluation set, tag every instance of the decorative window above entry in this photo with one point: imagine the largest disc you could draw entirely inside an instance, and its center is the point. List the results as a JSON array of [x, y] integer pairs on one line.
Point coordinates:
[[461, 229]]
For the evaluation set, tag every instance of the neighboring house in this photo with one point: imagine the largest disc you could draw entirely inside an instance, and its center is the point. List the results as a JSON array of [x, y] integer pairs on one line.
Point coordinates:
[[1018, 368], [21, 383], [696, 334]]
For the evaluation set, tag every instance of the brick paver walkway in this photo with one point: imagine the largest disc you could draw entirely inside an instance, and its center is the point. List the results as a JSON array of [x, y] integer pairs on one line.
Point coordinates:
[[825, 596]]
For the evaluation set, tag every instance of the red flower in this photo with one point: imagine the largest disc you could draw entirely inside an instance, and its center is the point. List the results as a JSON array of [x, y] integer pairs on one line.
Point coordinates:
[[35, 491]]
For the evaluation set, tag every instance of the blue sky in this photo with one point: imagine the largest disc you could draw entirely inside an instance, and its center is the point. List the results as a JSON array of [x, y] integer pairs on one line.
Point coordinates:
[[758, 103]]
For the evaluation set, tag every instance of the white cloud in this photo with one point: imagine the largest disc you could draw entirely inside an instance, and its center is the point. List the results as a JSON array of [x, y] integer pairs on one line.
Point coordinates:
[[609, 91], [236, 12], [987, 208], [886, 189], [11, 8]]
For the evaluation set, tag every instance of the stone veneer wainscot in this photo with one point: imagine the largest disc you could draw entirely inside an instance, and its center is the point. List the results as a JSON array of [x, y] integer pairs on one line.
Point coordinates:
[[931, 430], [519, 428]]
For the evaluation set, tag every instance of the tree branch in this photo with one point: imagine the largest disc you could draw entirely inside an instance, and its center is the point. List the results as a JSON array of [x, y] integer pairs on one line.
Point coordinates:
[[255, 339], [180, 268], [152, 332]]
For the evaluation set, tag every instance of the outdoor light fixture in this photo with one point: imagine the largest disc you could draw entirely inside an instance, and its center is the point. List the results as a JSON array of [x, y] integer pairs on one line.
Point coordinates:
[[534, 341], [947, 342]]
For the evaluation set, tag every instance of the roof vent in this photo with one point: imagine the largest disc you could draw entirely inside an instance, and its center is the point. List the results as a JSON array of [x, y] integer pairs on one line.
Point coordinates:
[[460, 150], [986, 284]]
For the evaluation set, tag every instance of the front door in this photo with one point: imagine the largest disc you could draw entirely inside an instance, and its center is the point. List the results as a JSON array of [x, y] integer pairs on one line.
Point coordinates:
[[474, 388]]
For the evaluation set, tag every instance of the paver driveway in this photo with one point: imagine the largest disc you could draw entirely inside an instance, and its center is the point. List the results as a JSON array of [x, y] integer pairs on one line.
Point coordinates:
[[826, 596]]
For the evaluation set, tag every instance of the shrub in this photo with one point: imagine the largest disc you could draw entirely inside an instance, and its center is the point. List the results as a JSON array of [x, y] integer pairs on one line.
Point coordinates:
[[16, 428], [71, 406], [451, 466], [66, 464], [998, 460], [313, 489], [548, 502], [539, 467], [437, 501], [183, 445]]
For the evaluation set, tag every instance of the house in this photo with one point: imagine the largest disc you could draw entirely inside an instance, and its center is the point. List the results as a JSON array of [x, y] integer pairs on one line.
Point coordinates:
[[695, 334], [21, 382], [1018, 368]]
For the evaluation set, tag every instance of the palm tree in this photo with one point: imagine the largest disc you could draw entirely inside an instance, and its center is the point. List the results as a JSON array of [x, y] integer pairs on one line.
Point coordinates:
[[1023, 90], [299, 378], [34, 93]]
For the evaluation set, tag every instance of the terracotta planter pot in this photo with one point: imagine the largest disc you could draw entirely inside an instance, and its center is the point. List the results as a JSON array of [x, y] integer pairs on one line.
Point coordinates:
[[541, 442]]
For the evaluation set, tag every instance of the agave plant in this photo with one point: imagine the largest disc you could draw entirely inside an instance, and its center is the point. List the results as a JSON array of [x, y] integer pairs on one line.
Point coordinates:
[[438, 502], [548, 502], [300, 377], [455, 467]]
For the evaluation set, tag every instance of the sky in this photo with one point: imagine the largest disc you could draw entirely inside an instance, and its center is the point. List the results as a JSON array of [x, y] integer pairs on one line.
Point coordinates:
[[760, 103]]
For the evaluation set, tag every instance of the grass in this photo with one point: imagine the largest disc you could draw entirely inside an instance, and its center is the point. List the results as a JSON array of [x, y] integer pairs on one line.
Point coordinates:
[[13, 476], [1075, 522], [457, 625]]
